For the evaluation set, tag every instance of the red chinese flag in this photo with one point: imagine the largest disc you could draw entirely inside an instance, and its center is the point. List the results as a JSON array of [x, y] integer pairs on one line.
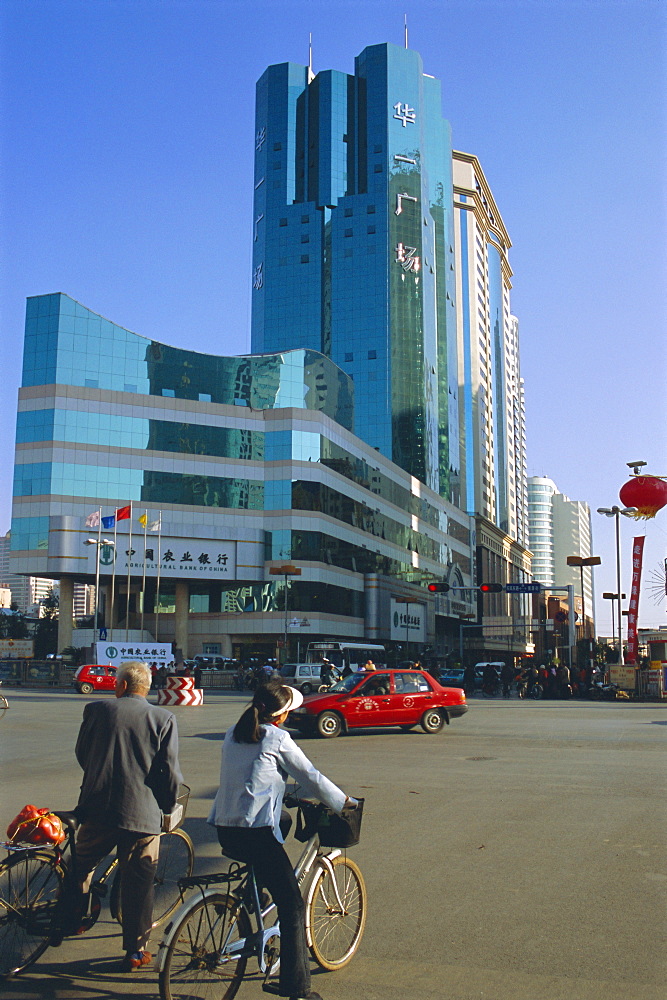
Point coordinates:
[[123, 513]]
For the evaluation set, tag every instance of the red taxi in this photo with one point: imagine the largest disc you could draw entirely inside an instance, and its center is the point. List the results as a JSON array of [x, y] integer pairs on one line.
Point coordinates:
[[95, 677], [402, 698]]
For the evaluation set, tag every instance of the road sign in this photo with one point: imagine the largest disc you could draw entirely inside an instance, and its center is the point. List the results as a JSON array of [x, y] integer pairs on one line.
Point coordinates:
[[523, 588]]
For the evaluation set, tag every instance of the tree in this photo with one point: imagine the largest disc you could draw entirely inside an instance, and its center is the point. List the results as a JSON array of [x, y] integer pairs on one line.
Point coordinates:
[[46, 630], [13, 625]]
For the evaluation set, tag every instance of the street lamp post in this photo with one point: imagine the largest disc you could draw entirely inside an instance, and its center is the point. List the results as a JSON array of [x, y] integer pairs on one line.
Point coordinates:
[[616, 512], [99, 542], [286, 570], [582, 561]]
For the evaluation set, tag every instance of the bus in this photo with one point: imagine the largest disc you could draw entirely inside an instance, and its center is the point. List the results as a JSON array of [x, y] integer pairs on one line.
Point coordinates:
[[347, 656]]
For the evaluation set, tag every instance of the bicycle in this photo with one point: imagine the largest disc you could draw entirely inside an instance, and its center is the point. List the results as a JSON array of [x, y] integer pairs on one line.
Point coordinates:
[[4, 705], [206, 947], [35, 882]]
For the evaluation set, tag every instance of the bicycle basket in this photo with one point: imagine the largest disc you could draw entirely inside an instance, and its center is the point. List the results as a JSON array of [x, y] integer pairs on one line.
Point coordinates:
[[333, 830]]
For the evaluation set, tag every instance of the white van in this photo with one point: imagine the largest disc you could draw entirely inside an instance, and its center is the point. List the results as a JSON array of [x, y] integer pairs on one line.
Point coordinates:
[[304, 676]]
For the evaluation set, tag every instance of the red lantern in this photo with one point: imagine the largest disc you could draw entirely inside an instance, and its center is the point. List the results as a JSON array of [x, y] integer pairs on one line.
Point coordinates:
[[647, 493]]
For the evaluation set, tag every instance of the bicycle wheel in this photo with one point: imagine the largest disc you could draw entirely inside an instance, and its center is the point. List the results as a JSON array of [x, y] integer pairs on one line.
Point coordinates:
[[336, 913], [204, 958], [176, 860], [30, 885], [4, 705]]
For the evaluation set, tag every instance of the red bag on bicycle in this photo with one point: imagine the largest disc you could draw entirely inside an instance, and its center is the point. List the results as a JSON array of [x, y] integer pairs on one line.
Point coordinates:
[[36, 826]]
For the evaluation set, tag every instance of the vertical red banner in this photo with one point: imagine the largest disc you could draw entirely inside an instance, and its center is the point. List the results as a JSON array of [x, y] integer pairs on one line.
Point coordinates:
[[633, 607]]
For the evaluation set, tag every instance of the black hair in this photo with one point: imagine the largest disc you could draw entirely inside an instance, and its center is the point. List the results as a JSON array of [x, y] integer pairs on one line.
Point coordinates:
[[267, 702]]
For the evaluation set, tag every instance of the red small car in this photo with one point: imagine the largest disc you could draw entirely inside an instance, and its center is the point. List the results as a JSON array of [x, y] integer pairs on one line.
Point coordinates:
[[95, 677], [400, 698]]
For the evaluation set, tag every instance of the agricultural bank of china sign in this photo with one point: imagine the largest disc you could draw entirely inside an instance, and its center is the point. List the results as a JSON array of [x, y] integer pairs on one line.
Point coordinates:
[[200, 559]]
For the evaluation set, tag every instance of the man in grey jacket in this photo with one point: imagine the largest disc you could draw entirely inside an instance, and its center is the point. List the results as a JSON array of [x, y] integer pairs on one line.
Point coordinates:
[[128, 750]]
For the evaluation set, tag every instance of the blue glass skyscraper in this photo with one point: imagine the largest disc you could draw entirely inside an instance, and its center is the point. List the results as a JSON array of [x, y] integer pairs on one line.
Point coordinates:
[[353, 246]]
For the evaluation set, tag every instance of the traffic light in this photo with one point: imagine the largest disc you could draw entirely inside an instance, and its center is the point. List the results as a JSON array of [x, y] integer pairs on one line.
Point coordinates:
[[491, 588], [438, 588]]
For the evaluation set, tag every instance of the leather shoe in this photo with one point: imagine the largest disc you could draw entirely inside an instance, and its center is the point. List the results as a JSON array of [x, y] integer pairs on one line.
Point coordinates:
[[135, 960]]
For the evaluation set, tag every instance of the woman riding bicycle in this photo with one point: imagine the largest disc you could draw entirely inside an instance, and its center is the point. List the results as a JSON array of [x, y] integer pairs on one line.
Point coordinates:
[[257, 756]]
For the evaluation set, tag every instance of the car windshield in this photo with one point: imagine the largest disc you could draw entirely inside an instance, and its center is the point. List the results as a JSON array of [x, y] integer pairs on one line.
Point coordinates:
[[347, 683]]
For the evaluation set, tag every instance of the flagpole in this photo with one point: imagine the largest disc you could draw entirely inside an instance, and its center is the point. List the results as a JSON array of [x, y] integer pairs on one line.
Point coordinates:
[[113, 575], [159, 564], [129, 561], [143, 578], [97, 574]]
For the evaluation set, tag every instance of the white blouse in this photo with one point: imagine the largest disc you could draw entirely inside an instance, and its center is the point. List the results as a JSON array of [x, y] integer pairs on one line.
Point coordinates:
[[253, 777]]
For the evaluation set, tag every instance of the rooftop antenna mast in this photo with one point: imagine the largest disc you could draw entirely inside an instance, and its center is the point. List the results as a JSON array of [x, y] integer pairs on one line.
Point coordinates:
[[405, 27], [311, 75]]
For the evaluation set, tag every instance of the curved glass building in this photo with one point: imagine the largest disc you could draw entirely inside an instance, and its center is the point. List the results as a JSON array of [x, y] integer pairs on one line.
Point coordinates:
[[244, 462]]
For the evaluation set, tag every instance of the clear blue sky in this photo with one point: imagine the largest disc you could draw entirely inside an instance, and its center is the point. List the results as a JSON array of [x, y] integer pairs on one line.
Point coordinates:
[[127, 183]]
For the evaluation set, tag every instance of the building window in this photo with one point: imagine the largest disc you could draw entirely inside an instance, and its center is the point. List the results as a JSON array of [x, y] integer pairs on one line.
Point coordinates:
[[277, 165], [168, 392], [372, 355], [377, 149], [91, 383], [305, 258], [377, 168], [305, 218], [370, 209], [349, 357], [348, 252], [277, 146], [128, 387], [205, 397], [305, 238], [283, 222], [348, 213], [370, 230], [348, 232]]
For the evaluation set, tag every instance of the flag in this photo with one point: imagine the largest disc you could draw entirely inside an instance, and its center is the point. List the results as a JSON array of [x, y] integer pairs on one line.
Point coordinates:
[[143, 519], [109, 522], [155, 525], [123, 513], [93, 520]]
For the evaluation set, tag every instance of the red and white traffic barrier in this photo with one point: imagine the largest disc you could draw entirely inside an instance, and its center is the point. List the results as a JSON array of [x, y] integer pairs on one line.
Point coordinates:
[[180, 691]]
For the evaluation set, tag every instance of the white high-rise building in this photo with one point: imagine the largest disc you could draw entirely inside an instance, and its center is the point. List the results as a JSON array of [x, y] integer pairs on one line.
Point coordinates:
[[491, 404], [541, 528], [559, 527], [27, 592]]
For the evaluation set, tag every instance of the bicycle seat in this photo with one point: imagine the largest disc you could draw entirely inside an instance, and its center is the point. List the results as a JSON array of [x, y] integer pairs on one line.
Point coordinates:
[[68, 819]]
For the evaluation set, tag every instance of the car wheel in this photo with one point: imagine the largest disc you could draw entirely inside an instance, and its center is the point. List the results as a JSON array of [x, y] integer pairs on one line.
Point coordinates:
[[329, 725], [306, 689], [432, 721], [86, 688]]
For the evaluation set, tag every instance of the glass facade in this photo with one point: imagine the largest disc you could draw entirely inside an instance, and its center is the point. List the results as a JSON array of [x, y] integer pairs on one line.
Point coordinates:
[[68, 344], [353, 246], [79, 442]]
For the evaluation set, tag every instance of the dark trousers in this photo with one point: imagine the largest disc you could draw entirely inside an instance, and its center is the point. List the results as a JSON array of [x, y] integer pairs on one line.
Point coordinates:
[[258, 846], [138, 854]]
